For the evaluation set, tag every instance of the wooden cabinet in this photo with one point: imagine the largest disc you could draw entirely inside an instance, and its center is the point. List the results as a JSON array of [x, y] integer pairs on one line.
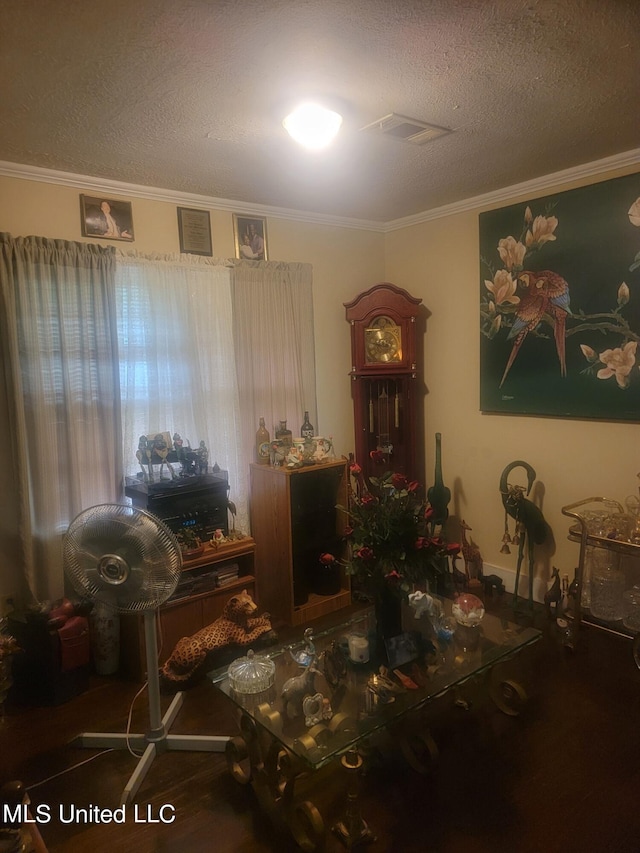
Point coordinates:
[[294, 519], [195, 604]]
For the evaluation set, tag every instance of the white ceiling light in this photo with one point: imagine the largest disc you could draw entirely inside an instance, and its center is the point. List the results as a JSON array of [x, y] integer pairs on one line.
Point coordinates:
[[312, 125]]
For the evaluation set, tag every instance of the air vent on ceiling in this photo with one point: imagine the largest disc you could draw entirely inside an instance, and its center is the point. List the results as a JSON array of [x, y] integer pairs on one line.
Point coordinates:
[[406, 129]]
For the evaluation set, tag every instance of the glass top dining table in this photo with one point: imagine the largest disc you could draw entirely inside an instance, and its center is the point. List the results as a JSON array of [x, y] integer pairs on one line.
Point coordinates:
[[343, 703]]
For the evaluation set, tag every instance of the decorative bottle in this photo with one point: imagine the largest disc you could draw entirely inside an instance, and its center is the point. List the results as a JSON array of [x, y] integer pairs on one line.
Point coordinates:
[[283, 434], [439, 495], [262, 444], [306, 430]]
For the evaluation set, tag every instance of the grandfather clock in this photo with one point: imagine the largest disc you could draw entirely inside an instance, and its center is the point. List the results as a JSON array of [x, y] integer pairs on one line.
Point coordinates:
[[387, 330]]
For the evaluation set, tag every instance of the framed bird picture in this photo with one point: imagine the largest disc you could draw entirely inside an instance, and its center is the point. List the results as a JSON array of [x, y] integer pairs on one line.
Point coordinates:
[[560, 304]]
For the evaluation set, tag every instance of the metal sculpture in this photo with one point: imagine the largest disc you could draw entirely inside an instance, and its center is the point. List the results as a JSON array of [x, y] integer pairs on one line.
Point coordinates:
[[531, 525]]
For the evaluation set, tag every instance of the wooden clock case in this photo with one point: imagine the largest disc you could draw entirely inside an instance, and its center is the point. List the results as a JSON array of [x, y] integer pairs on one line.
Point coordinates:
[[388, 393]]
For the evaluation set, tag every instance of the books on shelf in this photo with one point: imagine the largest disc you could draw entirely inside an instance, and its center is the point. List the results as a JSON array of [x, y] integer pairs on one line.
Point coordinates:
[[227, 574]]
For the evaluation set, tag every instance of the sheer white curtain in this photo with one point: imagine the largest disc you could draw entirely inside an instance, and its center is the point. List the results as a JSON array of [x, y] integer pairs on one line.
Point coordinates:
[[100, 347], [58, 333], [274, 341], [177, 359]]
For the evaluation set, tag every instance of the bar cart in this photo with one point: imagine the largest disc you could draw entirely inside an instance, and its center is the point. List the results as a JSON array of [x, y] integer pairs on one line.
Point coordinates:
[[616, 538]]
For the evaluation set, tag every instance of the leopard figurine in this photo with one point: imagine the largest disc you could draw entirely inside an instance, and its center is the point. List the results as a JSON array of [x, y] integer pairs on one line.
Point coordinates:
[[236, 626]]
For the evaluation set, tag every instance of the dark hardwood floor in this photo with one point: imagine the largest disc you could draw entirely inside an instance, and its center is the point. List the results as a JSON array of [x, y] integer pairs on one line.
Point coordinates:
[[562, 776]]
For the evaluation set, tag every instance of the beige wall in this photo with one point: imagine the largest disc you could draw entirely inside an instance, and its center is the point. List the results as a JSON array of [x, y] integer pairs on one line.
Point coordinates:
[[438, 261]]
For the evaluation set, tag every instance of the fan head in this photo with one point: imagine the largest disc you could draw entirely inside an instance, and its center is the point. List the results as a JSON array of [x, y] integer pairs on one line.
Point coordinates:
[[121, 556]]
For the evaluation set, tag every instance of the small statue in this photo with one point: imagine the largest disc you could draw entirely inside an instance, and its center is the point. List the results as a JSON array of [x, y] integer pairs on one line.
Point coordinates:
[[238, 625], [296, 688], [473, 562], [529, 520], [218, 538], [493, 583], [553, 596], [334, 665], [422, 602], [160, 448], [305, 656], [202, 458], [143, 458]]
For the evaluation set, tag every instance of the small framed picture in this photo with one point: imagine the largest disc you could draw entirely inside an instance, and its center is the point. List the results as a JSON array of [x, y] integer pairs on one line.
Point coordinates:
[[194, 228], [250, 234], [106, 218]]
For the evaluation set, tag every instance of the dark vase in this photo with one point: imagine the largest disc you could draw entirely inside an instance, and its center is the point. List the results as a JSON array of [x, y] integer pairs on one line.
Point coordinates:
[[327, 580], [388, 610]]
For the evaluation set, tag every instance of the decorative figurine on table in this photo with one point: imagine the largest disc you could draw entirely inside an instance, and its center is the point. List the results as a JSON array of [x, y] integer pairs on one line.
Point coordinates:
[[296, 688], [421, 603], [530, 523], [315, 709], [334, 665], [238, 625], [307, 655]]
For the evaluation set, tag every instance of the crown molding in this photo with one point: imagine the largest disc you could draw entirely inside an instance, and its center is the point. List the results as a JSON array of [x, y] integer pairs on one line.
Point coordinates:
[[532, 187], [103, 186]]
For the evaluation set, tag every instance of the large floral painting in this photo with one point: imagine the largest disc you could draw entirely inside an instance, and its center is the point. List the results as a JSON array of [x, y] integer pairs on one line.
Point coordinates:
[[560, 304]]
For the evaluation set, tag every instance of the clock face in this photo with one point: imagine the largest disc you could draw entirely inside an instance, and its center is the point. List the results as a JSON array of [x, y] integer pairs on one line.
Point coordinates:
[[383, 342]]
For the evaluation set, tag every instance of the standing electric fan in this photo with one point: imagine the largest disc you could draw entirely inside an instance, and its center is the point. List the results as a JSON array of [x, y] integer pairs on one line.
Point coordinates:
[[129, 560]]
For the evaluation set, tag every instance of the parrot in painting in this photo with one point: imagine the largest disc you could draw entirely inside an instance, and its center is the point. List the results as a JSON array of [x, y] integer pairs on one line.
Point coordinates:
[[545, 297]]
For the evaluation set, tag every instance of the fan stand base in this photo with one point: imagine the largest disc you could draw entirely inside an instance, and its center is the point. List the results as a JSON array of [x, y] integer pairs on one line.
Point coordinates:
[[153, 743], [157, 739]]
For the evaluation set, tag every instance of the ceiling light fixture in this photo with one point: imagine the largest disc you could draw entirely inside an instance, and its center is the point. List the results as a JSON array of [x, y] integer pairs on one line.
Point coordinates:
[[312, 125]]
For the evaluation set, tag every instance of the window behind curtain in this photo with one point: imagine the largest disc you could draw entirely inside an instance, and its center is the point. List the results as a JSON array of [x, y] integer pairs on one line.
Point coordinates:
[[177, 364]]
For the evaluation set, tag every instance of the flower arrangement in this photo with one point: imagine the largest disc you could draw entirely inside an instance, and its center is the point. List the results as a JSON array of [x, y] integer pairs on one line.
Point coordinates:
[[391, 535]]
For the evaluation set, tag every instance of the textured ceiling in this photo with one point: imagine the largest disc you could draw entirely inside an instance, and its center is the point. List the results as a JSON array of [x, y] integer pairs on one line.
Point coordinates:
[[189, 95]]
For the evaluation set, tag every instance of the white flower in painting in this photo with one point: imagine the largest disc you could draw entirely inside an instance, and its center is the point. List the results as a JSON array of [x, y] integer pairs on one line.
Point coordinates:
[[619, 363], [541, 231], [588, 353], [495, 326], [503, 288], [634, 213], [623, 294], [511, 252]]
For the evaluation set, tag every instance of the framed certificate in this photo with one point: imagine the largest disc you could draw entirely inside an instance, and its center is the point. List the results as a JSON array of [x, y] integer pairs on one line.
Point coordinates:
[[194, 228]]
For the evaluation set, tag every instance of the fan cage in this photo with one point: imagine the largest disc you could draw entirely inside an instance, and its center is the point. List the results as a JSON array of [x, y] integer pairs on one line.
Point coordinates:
[[123, 557]]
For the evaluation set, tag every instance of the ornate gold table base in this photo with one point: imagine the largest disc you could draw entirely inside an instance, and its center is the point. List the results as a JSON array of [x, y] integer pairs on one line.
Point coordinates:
[[257, 758], [273, 773]]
